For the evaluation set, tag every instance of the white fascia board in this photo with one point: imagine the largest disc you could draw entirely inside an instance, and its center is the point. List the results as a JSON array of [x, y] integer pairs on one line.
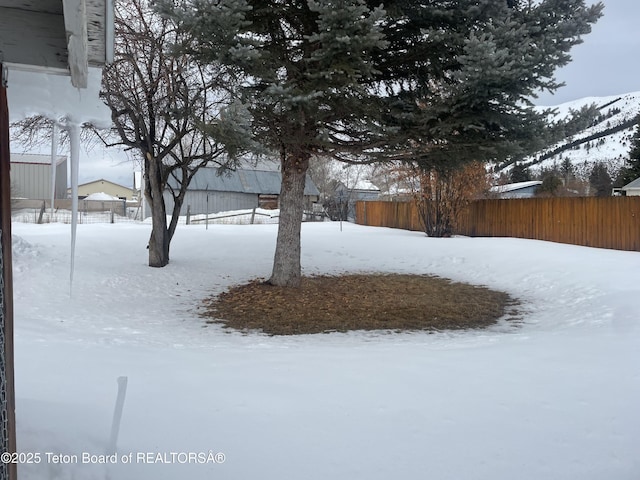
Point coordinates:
[[75, 22], [109, 28]]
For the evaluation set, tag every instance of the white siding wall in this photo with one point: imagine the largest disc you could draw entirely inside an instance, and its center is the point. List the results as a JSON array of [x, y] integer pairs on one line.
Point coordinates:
[[527, 192], [218, 202], [33, 180]]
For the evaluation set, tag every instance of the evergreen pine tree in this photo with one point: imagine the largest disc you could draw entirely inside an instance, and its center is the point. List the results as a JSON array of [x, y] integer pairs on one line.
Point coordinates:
[[631, 170], [438, 82], [307, 68], [551, 183], [600, 180], [567, 170], [519, 173], [469, 69]]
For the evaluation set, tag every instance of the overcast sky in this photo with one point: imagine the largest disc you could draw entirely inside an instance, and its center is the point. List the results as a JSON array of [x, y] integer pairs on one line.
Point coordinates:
[[604, 64], [607, 62]]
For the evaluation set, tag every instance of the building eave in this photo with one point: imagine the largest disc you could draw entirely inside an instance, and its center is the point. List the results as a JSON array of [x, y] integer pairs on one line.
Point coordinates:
[[65, 36]]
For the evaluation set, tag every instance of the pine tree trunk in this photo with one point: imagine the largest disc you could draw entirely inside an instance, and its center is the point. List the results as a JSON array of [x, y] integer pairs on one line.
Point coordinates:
[[286, 263], [159, 240]]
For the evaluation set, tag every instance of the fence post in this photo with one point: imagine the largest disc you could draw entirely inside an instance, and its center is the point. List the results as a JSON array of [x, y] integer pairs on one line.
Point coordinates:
[[253, 215], [206, 213], [7, 391], [111, 212], [188, 214], [41, 214]]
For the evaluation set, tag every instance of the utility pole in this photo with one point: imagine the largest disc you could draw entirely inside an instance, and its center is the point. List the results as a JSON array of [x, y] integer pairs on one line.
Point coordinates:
[[8, 470]]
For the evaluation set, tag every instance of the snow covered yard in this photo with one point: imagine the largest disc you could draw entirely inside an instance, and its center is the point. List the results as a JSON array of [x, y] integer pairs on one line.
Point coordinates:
[[555, 397]]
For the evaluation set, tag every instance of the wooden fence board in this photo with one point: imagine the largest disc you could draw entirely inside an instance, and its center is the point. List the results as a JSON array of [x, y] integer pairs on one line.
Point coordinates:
[[612, 222]]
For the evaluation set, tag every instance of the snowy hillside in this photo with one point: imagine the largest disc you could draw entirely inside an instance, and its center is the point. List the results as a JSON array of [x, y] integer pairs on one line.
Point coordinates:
[[607, 141]]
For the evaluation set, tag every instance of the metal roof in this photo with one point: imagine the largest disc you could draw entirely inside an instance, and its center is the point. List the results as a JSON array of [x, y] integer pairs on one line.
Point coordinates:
[[510, 187], [244, 181], [36, 158]]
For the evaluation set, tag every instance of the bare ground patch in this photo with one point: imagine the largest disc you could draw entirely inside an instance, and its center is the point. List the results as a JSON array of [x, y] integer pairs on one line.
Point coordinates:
[[358, 302]]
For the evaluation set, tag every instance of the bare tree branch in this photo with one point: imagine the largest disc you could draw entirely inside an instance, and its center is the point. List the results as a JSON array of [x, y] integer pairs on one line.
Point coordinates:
[[166, 108]]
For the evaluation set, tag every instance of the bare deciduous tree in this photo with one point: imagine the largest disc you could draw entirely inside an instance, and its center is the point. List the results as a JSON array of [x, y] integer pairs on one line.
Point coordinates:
[[172, 112]]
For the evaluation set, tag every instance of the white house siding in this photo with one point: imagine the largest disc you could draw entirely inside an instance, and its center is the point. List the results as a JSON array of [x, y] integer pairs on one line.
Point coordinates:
[[527, 192], [632, 189], [33, 180]]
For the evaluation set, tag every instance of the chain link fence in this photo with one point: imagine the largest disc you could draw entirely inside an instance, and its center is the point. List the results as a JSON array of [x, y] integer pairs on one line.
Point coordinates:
[[89, 211], [4, 413]]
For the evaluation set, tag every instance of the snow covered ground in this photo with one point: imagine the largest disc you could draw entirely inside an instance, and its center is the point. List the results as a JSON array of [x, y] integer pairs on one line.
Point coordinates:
[[555, 397]]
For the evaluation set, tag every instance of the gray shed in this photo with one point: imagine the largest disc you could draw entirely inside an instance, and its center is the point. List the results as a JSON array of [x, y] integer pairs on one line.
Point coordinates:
[[31, 176], [345, 198], [363, 190], [212, 192]]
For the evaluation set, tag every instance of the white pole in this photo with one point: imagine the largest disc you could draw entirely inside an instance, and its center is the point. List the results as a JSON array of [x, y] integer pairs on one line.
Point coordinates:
[[74, 137], [117, 415], [143, 186], [54, 164]]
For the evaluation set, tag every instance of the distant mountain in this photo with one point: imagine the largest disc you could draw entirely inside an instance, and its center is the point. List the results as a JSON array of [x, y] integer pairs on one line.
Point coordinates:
[[606, 138]]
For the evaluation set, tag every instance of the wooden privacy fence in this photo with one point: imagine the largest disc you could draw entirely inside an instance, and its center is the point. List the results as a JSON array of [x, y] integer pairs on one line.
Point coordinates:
[[612, 222], [388, 214]]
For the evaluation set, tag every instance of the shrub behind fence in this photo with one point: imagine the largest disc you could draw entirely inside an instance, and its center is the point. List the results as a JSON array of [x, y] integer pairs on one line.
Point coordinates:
[[612, 222]]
